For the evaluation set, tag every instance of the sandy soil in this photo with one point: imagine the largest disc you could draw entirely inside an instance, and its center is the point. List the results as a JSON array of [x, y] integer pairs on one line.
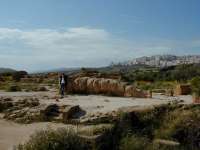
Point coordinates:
[[12, 133]]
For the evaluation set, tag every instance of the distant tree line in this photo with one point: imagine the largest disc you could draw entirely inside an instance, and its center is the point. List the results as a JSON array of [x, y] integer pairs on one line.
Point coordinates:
[[16, 76]]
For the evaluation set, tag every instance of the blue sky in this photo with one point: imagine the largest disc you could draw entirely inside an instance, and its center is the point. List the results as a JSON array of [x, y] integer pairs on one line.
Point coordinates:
[[45, 34]]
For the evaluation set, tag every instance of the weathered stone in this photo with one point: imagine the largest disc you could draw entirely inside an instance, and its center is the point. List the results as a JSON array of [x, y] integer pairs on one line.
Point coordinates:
[[167, 143], [104, 86], [97, 86], [49, 110], [140, 93], [121, 89], [6, 99], [5, 105], [70, 112], [31, 102], [80, 84], [113, 87], [182, 89]]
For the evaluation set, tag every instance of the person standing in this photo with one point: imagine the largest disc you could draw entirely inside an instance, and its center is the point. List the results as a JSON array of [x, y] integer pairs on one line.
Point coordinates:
[[62, 85]]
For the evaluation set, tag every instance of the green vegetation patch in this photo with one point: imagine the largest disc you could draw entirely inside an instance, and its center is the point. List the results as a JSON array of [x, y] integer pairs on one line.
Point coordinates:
[[176, 123], [195, 82], [61, 139], [179, 73], [13, 88]]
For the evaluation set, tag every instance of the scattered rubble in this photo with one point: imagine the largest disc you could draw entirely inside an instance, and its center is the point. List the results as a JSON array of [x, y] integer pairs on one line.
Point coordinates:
[[30, 110]]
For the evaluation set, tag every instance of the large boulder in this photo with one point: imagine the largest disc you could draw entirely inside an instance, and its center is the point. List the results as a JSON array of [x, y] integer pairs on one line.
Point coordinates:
[[70, 112], [49, 111]]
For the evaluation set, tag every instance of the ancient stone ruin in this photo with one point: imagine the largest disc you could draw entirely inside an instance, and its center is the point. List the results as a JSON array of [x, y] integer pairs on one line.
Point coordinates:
[[30, 110], [96, 83]]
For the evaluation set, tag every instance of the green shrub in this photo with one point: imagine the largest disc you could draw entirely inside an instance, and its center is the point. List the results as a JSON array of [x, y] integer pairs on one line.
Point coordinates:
[[18, 75], [13, 88], [195, 82], [174, 73], [134, 143], [171, 122], [182, 125], [61, 139], [155, 85]]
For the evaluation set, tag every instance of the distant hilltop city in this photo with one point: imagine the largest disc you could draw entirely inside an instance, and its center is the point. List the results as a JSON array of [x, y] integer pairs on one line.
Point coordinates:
[[163, 60]]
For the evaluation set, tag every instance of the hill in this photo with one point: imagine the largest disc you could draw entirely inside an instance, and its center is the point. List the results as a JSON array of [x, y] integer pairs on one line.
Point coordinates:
[[7, 70], [58, 70]]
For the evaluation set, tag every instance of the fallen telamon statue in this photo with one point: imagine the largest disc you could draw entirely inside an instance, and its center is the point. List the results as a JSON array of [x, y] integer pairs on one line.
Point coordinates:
[[84, 83]]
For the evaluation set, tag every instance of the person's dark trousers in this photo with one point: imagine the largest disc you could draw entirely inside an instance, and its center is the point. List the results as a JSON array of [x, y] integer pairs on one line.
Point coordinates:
[[62, 90]]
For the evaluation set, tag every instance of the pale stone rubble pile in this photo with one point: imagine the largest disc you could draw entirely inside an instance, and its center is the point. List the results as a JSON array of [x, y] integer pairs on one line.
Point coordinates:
[[30, 110]]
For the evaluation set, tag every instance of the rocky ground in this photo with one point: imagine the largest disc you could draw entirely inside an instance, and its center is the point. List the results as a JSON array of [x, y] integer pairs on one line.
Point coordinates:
[[38, 108]]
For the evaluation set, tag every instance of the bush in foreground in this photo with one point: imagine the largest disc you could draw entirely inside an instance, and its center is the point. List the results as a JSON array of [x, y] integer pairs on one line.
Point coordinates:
[[195, 82], [61, 139], [171, 123], [134, 143]]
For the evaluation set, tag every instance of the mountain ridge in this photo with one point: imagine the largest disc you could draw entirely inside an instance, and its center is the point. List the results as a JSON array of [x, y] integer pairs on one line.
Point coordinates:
[[6, 70]]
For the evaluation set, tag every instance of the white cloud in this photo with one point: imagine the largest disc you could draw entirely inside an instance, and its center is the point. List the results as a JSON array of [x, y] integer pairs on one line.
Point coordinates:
[[82, 46]]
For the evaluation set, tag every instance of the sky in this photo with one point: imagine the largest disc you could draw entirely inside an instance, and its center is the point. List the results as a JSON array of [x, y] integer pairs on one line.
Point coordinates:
[[47, 34]]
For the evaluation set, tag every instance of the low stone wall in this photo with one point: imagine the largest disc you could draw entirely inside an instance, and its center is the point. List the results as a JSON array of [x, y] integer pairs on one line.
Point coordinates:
[[94, 85], [182, 89]]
